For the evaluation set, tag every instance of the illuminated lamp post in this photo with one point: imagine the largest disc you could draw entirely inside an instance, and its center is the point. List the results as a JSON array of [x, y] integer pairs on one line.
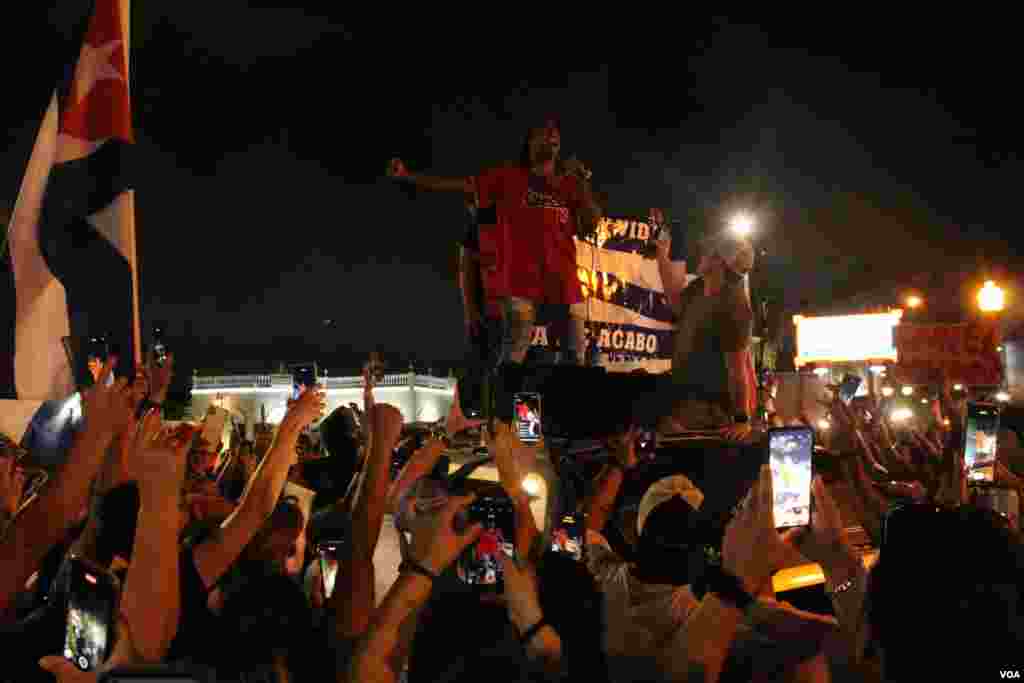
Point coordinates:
[[991, 298]]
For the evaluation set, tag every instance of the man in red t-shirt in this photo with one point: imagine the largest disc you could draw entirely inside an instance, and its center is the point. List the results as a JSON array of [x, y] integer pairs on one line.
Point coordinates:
[[528, 214]]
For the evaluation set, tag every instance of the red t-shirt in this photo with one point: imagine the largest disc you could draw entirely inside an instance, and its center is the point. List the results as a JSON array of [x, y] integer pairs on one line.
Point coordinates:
[[529, 252]]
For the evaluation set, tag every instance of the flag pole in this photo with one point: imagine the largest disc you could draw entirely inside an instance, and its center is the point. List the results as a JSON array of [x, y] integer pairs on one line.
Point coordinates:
[[130, 208]]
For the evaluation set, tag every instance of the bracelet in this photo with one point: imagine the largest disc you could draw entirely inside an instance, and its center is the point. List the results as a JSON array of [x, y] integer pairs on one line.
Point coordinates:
[[408, 566], [842, 588], [529, 633]]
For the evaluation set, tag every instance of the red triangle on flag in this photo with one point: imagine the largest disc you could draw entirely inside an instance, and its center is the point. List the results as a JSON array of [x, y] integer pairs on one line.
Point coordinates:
[[98, 107]]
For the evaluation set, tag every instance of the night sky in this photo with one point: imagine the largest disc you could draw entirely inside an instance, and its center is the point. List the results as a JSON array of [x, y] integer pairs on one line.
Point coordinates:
[[867, 147]]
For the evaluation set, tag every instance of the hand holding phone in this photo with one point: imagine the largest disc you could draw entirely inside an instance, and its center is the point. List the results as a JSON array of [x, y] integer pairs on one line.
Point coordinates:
[[327, 552], [91, 600], [480, 565], [439, 538], [527, 415], [981, 436], [567, 539], [790, 456]]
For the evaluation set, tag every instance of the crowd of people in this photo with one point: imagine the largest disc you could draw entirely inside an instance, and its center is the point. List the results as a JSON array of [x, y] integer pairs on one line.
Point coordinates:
[[222, 570], [219, 574]]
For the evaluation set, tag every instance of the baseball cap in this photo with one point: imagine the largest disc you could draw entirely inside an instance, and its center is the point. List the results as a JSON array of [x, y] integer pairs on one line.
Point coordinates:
[[664, 490], [737, 252]]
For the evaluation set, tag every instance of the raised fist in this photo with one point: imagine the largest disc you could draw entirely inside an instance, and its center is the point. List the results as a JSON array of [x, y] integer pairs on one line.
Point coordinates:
[[396, 169]]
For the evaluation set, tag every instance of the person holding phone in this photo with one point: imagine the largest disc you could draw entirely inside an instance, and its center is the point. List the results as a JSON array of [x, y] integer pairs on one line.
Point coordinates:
[[528, 214]]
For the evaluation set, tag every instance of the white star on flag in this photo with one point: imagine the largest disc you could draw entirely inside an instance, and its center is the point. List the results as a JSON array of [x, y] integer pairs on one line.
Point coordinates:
[[94, 66]]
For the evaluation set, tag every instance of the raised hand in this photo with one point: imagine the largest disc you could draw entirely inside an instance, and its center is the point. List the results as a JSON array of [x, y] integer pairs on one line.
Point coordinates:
[[824, 541], [306, 410], [508, 453], [386, 421], [396, 169], [623, 447], [456, 421], [158, 460], [109, 409], [160, 379], [436, 542], [521, 593], [751, 549]]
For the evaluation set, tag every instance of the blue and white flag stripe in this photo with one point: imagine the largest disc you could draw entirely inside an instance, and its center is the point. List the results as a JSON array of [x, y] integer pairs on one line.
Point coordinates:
[[625, 305]]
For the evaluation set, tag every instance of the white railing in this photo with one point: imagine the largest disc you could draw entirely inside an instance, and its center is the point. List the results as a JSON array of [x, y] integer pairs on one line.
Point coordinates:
[[243, 382]]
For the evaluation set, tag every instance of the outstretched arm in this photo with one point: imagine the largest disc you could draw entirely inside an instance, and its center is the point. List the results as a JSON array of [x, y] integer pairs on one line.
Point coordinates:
[[397, 171]]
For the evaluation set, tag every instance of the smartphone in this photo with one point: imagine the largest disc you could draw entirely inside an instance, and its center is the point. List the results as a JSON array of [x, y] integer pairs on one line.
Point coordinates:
[[159, 346], [567, 538], [790, 456], [980, 442], [848, 388], [479, 564], [527, 415], [646, 443], [327, 552], [91, 598], [302, 379], [97, 351]]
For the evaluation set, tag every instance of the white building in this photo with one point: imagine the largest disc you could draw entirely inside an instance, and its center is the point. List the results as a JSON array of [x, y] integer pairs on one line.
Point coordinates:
[[420, 398]]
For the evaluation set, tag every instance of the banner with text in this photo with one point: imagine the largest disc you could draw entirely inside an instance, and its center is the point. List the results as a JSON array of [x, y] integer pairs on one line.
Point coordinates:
[[624, 300], [966, 353]]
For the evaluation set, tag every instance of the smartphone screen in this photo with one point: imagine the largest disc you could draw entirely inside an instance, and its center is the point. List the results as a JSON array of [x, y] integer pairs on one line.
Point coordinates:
[[159, 347], [980, 441], [479, 565], [646, 444], [302, 379], [91, 597], [327, 555], [567, 538], [790, 457], [527, 415], [848, 388]]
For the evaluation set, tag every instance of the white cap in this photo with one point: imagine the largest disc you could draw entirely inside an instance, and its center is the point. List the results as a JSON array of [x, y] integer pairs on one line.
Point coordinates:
[[664, 490]]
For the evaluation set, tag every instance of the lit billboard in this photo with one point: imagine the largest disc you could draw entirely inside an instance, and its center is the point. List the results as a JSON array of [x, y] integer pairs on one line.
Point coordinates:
[[847, 338]]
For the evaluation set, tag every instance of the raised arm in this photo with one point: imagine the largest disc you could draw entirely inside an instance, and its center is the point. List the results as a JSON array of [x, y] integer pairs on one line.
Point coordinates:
[[509, 454], [600, 503], [397, 171], [673, 273], [107, 410], [150, 608], [435, 545], [214, 556], [353, 599]]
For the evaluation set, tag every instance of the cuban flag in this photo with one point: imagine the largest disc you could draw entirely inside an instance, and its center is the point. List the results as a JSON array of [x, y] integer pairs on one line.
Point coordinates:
[[72, 232], [625, 305]]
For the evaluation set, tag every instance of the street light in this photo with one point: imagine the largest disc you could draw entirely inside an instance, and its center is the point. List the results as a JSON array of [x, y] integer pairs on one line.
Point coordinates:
[[914, 301], [991, 298], [741, 224], [901, 414], [908, 391], [887, 391]]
